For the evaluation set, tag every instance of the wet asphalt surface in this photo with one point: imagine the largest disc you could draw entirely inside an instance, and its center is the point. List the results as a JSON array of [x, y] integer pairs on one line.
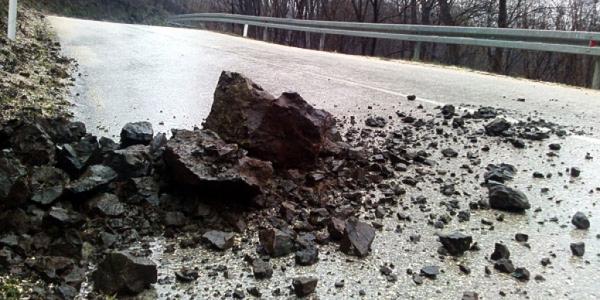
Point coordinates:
[[167, 76]]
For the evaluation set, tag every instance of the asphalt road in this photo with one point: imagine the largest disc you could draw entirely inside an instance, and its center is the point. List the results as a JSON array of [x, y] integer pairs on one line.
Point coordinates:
[[167, 76]]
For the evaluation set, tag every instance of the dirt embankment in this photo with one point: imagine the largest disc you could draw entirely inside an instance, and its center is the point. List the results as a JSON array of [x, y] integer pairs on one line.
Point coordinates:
[[34, 76]]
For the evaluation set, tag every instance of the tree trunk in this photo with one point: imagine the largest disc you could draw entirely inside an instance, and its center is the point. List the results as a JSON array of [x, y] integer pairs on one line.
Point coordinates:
[[497, 62]]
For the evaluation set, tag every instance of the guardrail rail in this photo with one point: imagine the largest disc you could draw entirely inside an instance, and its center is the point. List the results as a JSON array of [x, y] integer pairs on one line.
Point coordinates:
[[570, 42]]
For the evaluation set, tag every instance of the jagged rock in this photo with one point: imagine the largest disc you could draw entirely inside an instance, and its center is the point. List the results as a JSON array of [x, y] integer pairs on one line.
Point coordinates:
[[93, 179], [33, 145], [202, 160], [286, 131], [504, 198], [136, 133], [497, 127], [304, 286], [133, 161], [500, 252], [107, 145], [63, 217], [580, 221], [218, 239], [120, 273], [14, 186], [575, 172], [504, 265], [107, 205], [336, 228], [485, 113], [456, 243], [470, 296], [578, 249], [50, 267], [157, 146], [448, 111], [307, 256], [379, 122], [357, 238], [75, 157], [500, 173], [262, 269], [47, 184], [275, 242]]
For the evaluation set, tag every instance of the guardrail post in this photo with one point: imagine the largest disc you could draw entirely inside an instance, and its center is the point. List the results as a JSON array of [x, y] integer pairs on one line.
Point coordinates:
[[596, 78], [417, 51], [245, 30], [322, 42], [266, 34], [12, 20]]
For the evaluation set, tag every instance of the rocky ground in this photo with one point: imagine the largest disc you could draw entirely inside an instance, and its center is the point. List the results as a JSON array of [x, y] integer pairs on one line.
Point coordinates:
[[273, 197], [34, 76]]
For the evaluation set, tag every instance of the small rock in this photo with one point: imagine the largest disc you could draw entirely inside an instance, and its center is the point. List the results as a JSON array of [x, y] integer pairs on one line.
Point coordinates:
[[430, 271], [580, 221], [575, 172], [521, 274], [357, 239], [276, 242], [308, 256], [500, 252], [504, 198], [504, 265], [497, 127], [218, 239], [578, 249], [304, 286], [456, 243], [376, 122], [262, 269]]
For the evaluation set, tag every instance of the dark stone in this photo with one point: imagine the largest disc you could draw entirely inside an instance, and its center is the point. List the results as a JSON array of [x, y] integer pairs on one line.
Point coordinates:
[[448, 111], [517, 143], [121, 273], [107, 145], [504, 198], [93, 179], [202, 160], [578, 249], [521, 237], [336, 228], [50, 268], [580, 221], [136, 133], [106, 205], [554, 147], [174, 219], [430, 272], [304, 286], [262, 269], [575, 172], [521, 274], [47, 184], [470, 296], [63, 217], [456, 243], [33, 145], [133, 161], [485, 113], [357, 239], [449, 152], [75, 157], [411, 97], [500, 251], [497, 127], [379, 122], [186, 275], [14, 186], [504, 265], [500, 173], [275, 242], [307, 256], [218, 239], [287, 130]]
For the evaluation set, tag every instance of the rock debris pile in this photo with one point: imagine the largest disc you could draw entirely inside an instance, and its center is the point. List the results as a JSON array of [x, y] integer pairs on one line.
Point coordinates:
[[275, 168]]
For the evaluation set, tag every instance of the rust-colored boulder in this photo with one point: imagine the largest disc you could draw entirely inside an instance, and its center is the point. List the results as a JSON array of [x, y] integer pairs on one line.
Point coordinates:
[[286, 131], [200, 159]]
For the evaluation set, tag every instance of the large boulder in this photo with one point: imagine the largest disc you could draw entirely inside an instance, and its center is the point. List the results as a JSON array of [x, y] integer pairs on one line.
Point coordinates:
[[285, 130], [121, 273], [14, 187], [33, 145], [136, 133], [202, 160]]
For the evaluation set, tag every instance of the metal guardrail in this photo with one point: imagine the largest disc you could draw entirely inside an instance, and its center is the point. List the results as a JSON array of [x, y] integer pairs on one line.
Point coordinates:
[[12, 20], [570, 42]]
